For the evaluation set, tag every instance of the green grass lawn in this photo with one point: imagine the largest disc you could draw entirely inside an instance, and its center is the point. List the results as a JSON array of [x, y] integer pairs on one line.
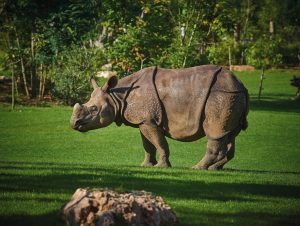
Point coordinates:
[[43, 161]]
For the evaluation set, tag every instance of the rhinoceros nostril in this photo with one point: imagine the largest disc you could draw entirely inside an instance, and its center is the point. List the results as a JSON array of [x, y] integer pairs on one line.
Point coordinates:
[[76, 123], [81, 122]]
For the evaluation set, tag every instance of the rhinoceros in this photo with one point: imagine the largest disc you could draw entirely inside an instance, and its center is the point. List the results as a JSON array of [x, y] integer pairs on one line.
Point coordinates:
[[182, 104]]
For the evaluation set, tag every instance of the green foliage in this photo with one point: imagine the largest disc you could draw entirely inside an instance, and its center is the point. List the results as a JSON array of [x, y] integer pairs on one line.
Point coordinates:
[[139, 33], [265, 52], [290, 51], [191, 21], [176, 53], [72, 71], [4, 69], [126, 50], [219, 52], [142, 42], [73, 22], [290, 47]]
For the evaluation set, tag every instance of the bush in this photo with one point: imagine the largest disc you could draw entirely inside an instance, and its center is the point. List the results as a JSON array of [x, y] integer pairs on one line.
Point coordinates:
[[72, 71], [218, 53], [291, 53], [265, 52], [127, 51]]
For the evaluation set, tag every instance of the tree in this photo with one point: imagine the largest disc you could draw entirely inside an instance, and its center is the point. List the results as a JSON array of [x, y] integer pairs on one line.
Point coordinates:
[[72, 71], [39, 35], [142, 40], [39, 30]]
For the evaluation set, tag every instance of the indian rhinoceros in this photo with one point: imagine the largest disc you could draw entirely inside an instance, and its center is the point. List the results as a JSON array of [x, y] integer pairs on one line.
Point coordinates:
[[182, 104]]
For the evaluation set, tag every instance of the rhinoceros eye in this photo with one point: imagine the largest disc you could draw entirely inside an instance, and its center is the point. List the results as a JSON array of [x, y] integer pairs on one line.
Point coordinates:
[[93, 110]]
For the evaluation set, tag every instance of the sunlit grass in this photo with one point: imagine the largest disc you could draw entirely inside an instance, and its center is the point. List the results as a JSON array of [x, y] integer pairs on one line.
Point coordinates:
[[42, 162]]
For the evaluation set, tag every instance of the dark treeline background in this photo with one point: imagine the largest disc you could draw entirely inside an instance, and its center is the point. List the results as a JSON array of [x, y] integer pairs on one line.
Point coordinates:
[[58, 44]]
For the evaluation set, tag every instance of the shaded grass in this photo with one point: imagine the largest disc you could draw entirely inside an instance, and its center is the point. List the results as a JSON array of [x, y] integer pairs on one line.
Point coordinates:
[[277, 92], [42, 162], [197, 197], [230, 196]]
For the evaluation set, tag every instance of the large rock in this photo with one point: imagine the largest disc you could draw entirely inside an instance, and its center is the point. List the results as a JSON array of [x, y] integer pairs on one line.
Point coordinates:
[[104, 207]]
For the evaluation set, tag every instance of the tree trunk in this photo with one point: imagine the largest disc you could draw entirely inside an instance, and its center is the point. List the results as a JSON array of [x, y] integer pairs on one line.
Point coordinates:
[[190, 40], [16, 87], [12, 87], [42, 82], [22, 64], [245, 30], [229, 58], [13, 81], [33, 70], [236, 35], [24, 77], [247, 18], [262, 77]]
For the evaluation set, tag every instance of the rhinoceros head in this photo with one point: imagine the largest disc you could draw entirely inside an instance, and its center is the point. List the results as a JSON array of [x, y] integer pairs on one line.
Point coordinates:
[[98, 111]]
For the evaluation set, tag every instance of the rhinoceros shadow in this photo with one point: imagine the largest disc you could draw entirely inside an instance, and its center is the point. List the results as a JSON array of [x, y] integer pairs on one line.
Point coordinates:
[[277, 103], [64, 179]]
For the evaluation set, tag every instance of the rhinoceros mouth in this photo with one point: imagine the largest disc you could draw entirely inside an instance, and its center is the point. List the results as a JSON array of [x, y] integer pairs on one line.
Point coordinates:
[[84, 124], [79, 125], [82, 129]]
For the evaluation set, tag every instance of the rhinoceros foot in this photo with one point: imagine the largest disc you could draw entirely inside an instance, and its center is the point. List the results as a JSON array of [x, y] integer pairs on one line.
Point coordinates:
[[215, 167], [199, 167], [163, 164], [147, 164], [212, 168]]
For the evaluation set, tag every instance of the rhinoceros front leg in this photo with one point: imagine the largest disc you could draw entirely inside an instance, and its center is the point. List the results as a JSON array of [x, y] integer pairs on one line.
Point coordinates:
[[216, 151], [150, 152], [156, 137]]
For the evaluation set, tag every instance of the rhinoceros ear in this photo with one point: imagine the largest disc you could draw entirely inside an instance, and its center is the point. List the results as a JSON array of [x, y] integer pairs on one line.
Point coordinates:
[[111, 83], [93, 83]]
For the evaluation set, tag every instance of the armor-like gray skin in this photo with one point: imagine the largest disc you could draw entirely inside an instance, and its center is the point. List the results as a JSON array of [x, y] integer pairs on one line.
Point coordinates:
[[183, 104]]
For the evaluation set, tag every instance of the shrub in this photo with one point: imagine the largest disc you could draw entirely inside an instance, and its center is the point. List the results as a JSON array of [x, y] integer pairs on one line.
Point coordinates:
[[291, 53], [72, 71], [265, 52], [218, 53]]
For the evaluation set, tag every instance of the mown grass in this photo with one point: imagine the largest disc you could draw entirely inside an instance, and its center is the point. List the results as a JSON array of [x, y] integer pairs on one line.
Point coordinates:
[[42, 162]]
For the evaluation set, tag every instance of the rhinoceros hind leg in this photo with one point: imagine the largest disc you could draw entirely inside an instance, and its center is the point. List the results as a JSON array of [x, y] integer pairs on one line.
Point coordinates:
[[156, 137], [150, 152], [229, 155], [215, 152]]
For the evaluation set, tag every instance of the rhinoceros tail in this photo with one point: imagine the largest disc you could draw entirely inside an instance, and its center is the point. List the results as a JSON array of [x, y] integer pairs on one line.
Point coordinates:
[[244, 122]]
